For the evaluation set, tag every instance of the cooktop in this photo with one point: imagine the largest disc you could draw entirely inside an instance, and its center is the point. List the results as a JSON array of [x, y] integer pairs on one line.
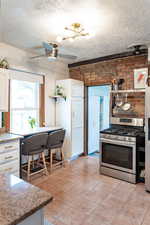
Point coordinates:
[[124, 131]]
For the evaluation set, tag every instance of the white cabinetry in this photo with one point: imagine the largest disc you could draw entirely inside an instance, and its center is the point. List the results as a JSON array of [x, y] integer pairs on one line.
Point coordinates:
[[36, 218], [10, 157], [4, 82], [70, 116]]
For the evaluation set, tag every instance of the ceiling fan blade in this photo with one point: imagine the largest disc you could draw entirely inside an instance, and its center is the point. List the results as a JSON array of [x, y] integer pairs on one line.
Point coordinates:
[[47, 46], [67, 56], [138, 45], [38, 47], [38, 56]]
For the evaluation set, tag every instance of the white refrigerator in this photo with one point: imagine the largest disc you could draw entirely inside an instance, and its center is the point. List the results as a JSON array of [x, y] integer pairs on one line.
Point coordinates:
[[70, 115]]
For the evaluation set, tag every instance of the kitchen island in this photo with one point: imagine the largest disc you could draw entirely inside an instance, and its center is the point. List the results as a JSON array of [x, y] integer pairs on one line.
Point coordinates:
[[20, 202]]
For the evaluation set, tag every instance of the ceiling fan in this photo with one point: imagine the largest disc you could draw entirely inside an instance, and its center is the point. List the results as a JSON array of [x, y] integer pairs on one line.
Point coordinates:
[[137, 48], [52, 52]]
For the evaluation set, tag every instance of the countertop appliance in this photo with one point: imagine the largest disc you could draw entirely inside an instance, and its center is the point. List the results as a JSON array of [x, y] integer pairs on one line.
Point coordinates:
[[118, 148]]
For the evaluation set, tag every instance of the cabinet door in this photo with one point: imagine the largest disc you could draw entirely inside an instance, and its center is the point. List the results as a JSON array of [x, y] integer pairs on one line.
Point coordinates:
[[77, 141], [77, 112], [3, 90], [77, 89]]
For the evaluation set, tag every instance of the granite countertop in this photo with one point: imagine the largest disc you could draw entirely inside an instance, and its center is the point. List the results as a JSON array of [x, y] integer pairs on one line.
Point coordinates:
[[34, 130], [9, 137], [19, 199]]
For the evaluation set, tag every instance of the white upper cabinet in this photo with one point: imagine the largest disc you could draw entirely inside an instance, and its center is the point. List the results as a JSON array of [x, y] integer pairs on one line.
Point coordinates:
[[4, 83], [77, 88]]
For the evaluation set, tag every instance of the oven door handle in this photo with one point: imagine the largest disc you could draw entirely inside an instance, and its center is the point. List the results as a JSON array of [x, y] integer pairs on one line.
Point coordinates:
[[116, 142]]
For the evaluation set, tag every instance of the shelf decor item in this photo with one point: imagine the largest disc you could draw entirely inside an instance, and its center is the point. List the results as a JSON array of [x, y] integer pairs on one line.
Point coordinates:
[[148, 81], [4, 63], [140, 78], [59, 91]]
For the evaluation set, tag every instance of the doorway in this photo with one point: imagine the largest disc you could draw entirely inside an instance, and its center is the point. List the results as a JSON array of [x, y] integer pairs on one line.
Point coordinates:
[[98, 114]]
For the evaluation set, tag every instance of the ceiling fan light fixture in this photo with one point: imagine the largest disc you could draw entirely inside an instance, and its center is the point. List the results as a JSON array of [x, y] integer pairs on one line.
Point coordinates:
[[53, 54], [51, 58]]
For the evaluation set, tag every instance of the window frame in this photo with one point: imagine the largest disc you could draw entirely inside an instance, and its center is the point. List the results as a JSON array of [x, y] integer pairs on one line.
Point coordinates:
[[6, 121], [36, 109]]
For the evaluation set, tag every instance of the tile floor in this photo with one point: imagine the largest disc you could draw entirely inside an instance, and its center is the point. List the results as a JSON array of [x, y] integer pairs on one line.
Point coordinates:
[[83, 197]]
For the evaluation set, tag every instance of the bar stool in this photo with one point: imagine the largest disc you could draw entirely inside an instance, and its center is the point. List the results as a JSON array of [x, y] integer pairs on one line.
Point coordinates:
[[55, 142], [31, 146]]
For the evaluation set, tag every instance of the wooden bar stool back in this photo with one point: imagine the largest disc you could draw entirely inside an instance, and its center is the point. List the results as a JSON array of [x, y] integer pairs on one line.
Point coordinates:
[[35, 146], [54, 145]]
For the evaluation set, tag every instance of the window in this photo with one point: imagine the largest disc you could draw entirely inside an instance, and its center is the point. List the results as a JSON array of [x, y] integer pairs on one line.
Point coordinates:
[[24, 103]]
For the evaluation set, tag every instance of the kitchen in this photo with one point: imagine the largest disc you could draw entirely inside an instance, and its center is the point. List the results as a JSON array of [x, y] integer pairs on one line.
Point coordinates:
[[96, 174]]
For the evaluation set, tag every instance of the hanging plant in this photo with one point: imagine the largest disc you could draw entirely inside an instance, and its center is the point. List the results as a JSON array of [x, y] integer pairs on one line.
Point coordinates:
[[4, 63], [59, 91]]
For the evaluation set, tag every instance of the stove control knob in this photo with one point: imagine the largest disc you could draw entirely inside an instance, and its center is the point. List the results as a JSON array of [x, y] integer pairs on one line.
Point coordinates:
[[127, 139]]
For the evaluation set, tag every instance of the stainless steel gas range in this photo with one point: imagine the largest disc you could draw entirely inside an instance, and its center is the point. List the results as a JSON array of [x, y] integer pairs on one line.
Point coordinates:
[[118, 148]]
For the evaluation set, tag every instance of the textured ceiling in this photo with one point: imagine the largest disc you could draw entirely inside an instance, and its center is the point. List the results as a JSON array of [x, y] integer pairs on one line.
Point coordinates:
[[116, 24]]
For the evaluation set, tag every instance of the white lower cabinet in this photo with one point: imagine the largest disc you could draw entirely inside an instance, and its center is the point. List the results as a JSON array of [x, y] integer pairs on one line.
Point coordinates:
[[35, 219], [77, 141], [10, 157]]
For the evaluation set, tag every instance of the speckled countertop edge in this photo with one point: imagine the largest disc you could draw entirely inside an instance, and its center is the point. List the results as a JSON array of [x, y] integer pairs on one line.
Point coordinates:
[[19, 199], [31, 212]]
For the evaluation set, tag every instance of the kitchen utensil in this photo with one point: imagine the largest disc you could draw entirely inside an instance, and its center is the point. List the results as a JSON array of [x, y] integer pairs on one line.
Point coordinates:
[[148, 81], [114, 85], [119, 101], [120, 83], [126, 106]]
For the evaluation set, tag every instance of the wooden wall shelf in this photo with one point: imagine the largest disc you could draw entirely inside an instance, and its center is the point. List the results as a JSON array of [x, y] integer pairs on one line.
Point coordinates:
[[55, 97], [128, 91]]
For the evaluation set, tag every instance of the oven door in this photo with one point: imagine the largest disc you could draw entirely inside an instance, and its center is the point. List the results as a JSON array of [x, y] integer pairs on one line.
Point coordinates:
[[118, 155]]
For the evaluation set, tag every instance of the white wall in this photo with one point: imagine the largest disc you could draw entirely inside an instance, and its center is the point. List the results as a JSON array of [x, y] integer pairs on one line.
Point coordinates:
[[18, 58]]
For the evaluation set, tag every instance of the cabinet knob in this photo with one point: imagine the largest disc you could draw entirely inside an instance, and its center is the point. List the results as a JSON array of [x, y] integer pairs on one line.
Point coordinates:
[[8, 157], [9, 146]]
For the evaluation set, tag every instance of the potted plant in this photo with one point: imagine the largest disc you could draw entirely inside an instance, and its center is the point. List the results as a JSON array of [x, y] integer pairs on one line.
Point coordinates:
[[59, 91], [32, 122]]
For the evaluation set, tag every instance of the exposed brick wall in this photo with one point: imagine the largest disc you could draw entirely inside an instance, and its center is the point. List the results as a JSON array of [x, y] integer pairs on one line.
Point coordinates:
[[104, 72]]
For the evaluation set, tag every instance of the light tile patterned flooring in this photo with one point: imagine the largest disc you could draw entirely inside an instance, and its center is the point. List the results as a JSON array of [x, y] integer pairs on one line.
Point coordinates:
[[83, 197]]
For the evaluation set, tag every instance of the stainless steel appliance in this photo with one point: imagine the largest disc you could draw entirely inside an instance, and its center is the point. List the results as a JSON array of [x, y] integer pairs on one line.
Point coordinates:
[[118, 148], [147, 139]]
